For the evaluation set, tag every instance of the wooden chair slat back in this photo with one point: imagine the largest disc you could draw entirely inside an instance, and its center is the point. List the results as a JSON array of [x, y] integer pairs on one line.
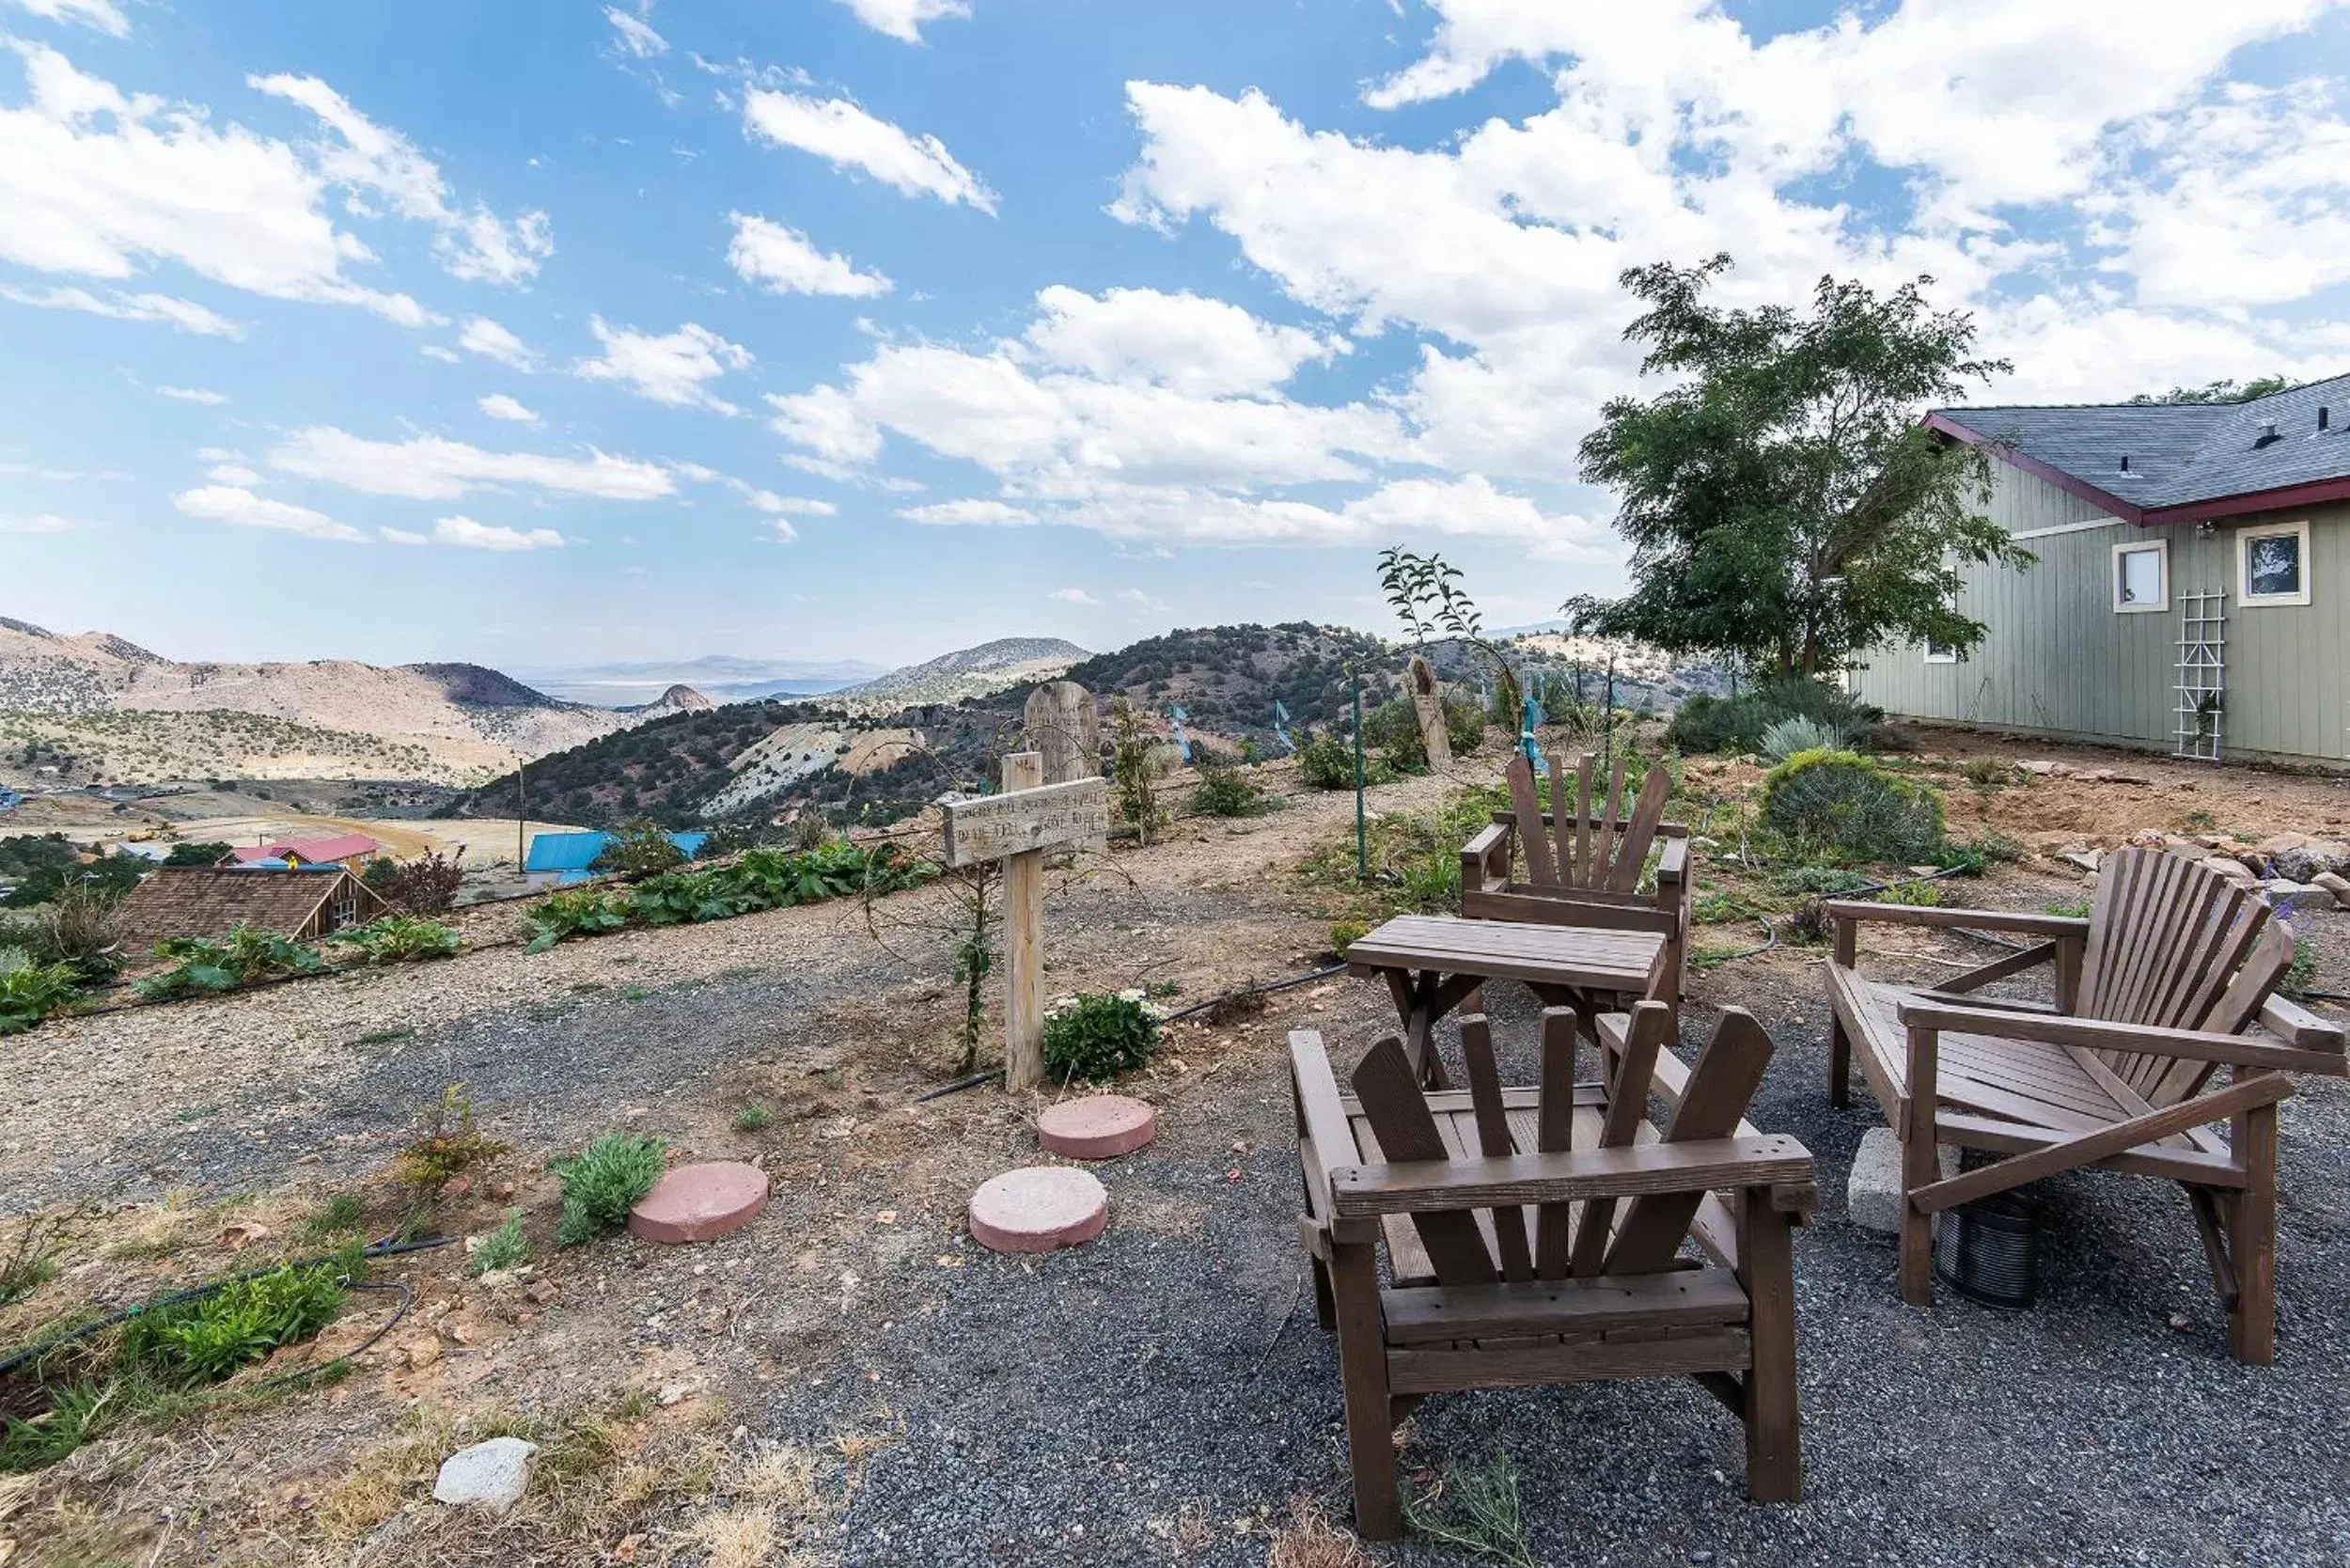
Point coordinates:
[[1493, 1140], [1567, 846], [1727, 1073], [1406, 1129], [1542, 863], [1629, 1080], [1631, 850], [2175, 945], [1555, 1134], [1582, 808]]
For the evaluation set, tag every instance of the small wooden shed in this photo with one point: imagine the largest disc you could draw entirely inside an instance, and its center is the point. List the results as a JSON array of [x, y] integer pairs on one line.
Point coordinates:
[[207, 901]]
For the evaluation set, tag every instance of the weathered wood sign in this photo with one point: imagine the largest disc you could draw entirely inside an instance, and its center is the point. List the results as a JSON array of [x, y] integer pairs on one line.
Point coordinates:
[[1075, 815]]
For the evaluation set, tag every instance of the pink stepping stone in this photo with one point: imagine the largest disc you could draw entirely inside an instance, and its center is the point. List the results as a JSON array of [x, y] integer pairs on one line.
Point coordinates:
[[1097, 1126], [1039, 1208], [701, 1203]]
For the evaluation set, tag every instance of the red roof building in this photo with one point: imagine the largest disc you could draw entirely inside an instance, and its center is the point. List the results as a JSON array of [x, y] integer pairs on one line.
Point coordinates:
[[347, 849]]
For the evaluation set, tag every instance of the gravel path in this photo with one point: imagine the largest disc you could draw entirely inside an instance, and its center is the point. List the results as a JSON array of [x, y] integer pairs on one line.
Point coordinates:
[[1131, 1400]]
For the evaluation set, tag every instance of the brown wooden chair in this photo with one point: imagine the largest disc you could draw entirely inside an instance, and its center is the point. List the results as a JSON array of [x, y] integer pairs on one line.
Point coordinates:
[[1584, 870], [1534, 1235], [2169, 978]]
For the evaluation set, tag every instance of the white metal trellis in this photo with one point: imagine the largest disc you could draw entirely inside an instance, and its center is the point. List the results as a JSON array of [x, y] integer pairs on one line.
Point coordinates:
[[2201, 719]]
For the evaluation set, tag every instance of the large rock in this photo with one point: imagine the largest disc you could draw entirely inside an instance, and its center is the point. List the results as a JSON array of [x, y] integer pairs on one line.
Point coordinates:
[[1873, 1197], [495, 1474], [2306, 861], [2290, 897]]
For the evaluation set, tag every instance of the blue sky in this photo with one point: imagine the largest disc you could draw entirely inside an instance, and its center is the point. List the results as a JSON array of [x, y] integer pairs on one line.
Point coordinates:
[[541, 332]]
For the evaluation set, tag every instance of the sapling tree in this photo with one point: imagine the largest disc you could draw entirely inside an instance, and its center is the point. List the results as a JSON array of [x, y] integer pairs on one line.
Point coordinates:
[[1429, 599]]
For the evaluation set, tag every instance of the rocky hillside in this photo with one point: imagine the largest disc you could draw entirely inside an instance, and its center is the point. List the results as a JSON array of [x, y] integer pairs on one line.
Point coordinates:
[[982, 672], [464, 720]]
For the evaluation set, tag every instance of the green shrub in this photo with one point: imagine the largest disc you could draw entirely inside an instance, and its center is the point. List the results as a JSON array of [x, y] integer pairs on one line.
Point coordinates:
[[1345, 934], [502, 1249], [80, 928], [1832, 882], [1093, 1038], [1224, 791], [1324, 762], [1706, 722], [446, 1146], [575, 912], [639, 848], [1798, 733], [30, 991], [1392, 730], [753, 1118], [1841, 804], [400, 939], [428, 886], [196, 855], [247, 954], [2302, 972], [602, 1182]]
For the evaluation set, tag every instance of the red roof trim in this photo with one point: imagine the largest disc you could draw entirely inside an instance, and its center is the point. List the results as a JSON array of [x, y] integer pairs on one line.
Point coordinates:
[[2030, 465], [2308, 492]]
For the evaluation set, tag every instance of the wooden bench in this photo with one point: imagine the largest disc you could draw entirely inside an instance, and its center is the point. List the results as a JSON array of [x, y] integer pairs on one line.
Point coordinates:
[[1535, 1235], [2169, 979], [1588, 871]]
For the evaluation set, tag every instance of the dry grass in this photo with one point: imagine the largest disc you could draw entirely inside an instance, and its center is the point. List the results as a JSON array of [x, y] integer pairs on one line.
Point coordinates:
[[1309, 1539], [739, 1537]]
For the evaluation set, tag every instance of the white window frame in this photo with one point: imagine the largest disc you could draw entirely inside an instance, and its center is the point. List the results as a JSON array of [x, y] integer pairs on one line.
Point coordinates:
[[2244, 539], [1941, 657], [2161, 603]]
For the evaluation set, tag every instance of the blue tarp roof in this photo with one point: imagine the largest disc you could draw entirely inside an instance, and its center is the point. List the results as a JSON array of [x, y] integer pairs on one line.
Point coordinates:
[[576, 852]]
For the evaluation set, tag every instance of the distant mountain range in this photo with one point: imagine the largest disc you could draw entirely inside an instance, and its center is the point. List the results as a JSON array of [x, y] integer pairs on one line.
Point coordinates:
[[98, 707], [718, 676], [982, 672]]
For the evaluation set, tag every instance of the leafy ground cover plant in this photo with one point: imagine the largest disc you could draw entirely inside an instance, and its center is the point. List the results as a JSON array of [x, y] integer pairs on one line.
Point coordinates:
[[575, 912], [502, 1249], [1476, 1508], [602, 1182], [400, 939], [1093, 1038], [30, 991], [1842, 805], [160, 1363], [245, 955], [1224, 791]]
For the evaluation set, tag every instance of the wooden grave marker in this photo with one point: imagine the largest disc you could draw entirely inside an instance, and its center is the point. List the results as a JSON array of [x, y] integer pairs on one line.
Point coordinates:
[[1017, 828]]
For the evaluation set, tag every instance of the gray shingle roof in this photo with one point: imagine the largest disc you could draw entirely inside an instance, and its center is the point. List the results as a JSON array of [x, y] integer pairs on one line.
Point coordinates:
[[2180, 454]]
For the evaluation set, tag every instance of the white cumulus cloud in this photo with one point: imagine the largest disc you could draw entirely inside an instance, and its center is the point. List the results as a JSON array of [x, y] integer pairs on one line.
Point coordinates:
[[497, 405], [1072, 596], [840, 132], [1195, 345], [104, 15], [193, 395], [434, 468], [901, 19], [463, 531], [235, 474], [230, 504], [484, 336], [969, 513], [404, 536], [668, 367], [634, 34], [186, 315], [784, 262]]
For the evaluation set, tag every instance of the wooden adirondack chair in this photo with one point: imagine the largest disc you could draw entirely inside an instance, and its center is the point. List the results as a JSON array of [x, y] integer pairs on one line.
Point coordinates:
[[1509, 1261], [1584, 870], [2162, 984]]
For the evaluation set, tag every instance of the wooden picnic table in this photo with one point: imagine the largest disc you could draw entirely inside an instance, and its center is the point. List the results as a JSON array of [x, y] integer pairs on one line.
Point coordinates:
[[1434, 963]]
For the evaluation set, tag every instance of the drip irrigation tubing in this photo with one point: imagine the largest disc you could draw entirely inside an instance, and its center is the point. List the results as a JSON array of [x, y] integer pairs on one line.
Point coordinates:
[[386, 1248], [1711, 961]]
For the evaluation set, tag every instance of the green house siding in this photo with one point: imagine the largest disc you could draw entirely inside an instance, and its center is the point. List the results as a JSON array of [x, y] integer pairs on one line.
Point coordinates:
[[2058, 659]]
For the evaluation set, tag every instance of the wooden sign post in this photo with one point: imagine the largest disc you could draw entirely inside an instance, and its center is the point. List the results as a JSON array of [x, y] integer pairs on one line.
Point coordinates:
[[1017, 828]]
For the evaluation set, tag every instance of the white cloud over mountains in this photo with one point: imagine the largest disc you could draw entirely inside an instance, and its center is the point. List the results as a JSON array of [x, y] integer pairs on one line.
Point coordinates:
[[842, 134]]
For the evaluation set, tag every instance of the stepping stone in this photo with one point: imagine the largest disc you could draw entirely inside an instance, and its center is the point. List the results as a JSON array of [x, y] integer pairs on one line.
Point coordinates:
[[1097, 1126], [1037, 1209], [701, 1203]]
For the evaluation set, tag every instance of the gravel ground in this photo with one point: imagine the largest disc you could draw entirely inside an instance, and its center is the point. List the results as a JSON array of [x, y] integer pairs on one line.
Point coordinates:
[[1162, 1397]]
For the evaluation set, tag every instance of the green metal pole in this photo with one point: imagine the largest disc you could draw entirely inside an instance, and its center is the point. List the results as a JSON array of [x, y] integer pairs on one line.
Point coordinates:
[[1362, 833]]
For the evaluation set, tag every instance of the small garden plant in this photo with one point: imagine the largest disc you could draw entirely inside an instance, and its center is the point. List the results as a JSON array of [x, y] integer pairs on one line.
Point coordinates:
[[244, 957], [602, 1182], [575, 912], [1224, 791], [1841, 804], [1092, 1039], [30, 991], [399, 939], [502, 1249]]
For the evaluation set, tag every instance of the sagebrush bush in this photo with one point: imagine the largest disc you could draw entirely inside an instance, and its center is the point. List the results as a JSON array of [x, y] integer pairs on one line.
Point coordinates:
[[1706, 722], [1324, 762], [1392, 730], [502, 1249], [1091, 1039], [1799, 733], [1842, 805], [1224, 791], [602, 1182]]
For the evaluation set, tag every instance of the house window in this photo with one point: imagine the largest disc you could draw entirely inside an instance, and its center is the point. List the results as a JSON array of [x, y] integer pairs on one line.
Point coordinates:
[[1940, 653], [2141, 576], [2273, 564]]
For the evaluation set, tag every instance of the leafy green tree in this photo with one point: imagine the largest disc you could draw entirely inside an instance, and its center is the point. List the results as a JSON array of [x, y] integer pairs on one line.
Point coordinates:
[[2216, 392], [196, 855], [1784, 503]]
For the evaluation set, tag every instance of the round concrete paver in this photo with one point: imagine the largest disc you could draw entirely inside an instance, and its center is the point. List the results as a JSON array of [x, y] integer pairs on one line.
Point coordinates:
[[1097, 1127], [701, 1203], [1039, 1208]]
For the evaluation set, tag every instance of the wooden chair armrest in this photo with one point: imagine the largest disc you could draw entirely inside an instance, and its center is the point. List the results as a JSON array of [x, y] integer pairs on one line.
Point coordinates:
[[1326, 1142], [1998, 1004], [1485, 859], [1487, 837], [1700, 1164], [1969, 919], [2097, 1034], [2296, 1024], [1672, 864]]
